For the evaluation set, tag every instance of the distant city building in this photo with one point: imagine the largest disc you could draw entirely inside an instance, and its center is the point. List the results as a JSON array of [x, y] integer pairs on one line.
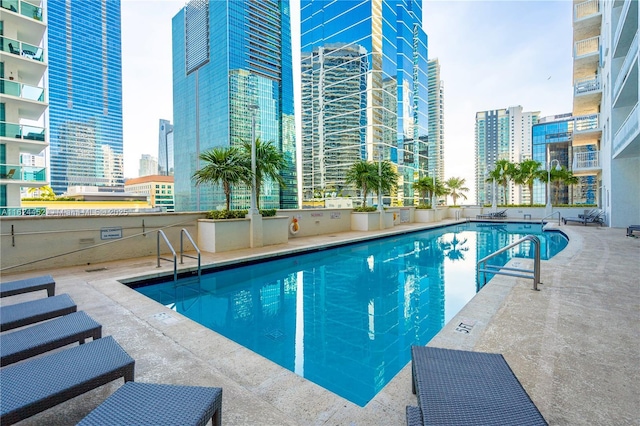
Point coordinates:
[[436, 120], [233, 80], [364, 92], [148, 165], [552, 141], [23, 99], [85, 93], [165, 148], [606, 137], [157, 188], [503, 134]]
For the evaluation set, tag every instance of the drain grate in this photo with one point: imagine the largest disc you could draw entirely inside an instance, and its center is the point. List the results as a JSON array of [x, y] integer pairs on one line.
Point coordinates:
[[274, 334]]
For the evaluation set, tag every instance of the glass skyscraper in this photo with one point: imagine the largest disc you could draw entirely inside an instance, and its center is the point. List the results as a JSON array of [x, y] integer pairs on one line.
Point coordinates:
[[165, 148], [551, 138], [85, 94], [364, 92], [232, 80]]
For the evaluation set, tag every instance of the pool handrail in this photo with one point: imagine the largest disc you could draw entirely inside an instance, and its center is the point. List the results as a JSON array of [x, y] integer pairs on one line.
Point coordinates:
[[175, 257], [183, 231], [525, 273], [550, 215]]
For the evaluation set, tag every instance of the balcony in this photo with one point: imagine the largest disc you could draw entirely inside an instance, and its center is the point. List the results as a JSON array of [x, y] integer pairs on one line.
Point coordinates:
[[630, 59], [587, 94], [23, 175], [20, 48], [26, 17], [586, 57], [28, 139], [28, 100], [587, 19], [586, 162], [586, 130], [626, 141]]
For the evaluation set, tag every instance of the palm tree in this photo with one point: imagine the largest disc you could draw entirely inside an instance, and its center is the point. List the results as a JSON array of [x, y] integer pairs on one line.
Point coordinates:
[[527, 173], [222, 164], [46, 192], [423, 186], [388, 178], [502, 172], [456, 188], [364, 176], [269, 162], [559, 177]]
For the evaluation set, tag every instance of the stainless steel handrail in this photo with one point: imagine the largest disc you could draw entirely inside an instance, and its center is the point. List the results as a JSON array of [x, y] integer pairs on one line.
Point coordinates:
[[549, 215], [524, 273], [183, 231], [175, 261]]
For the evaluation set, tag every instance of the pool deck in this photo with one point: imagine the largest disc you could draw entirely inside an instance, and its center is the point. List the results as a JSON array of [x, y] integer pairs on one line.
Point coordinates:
[[574, 345]]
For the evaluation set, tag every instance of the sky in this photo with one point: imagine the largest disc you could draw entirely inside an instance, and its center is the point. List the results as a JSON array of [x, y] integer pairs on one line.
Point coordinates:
[[492, 54]]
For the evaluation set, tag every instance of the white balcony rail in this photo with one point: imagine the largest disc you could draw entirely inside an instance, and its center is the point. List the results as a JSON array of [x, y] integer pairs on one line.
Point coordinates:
[[586, 47], [629, 60], [587, 85], [588, 160], [586, 123], [586, 9], [628, 128]]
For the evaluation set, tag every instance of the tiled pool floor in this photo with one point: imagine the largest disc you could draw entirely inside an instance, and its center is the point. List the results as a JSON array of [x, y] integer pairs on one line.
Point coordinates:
[[574, 345]]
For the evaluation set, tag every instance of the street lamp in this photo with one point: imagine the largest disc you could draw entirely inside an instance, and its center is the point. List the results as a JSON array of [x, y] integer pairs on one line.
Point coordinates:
[[549, 207], [433, 196], [380, 207], [254, 206]]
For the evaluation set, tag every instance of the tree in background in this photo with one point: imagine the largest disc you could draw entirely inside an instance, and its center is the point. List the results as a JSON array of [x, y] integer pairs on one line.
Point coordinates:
[[456, 188], [224, 165], [502, 173], [526, 173], [269, 162], [46, 192], [563, 176], [364, 176]]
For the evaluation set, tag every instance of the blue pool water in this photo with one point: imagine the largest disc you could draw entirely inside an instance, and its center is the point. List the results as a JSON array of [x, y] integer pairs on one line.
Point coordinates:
[[345, 318]]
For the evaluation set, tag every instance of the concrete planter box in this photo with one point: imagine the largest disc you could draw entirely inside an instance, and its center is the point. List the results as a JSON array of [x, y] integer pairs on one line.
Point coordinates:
[[216, 236], [424, 215], [442, 213], [223, 235], [391, 218], [366, 221]]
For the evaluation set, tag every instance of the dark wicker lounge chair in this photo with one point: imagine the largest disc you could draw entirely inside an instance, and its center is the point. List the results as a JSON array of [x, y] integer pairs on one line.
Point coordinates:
[[494, 215], [153, 404], [38, 384], [595, 217], [44, 282], [631, 229], [25, 313], [462, 388], [46, 336]]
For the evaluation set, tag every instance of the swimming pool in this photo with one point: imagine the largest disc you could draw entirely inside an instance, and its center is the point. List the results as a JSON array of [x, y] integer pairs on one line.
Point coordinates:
[[346, 317]]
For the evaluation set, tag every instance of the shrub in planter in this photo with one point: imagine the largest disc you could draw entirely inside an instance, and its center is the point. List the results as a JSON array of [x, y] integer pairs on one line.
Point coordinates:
[[423, 206], [268, 212], [365, 209], [227, 214]]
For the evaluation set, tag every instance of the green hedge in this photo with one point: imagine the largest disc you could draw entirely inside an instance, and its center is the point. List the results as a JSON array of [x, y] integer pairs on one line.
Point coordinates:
[[237, 214], [365, 209], [423, 206]]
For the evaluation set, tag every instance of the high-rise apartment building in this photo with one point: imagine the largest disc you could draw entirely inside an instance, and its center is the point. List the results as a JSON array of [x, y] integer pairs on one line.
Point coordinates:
[[148, 165], [165, 148], [436, 119], [551, 138], [606, 141], [23, 98], [85, 94], [503, 134], [364, 92], [233, 81]]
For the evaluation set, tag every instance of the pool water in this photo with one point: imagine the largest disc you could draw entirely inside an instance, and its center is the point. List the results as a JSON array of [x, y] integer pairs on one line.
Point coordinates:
[[345, 318]]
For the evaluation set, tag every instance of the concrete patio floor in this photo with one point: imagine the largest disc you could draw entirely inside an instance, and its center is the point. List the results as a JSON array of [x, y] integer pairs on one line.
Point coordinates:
[[574, 345]]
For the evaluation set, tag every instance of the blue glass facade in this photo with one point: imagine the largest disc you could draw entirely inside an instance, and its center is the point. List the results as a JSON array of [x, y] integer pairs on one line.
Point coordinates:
[[364, 91], [85, 94], [241, 85], [552, 141]]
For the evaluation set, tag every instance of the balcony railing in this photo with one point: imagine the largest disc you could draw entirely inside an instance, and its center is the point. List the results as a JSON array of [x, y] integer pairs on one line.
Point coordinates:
[[20, 90], [23, 173], [586, 9], [21, 131], [586, 47], [586, 123], [629, 60], [626, 130], [25, 50], [587, 85], [23, 8], [588, 160]]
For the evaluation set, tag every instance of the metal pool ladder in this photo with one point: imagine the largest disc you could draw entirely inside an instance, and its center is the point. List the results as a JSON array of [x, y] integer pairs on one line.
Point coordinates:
[[551, 215], [173, 252], [514, 272]]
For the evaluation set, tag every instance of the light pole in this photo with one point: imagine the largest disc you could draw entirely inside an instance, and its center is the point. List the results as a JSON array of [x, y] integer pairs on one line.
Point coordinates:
[[380, 208], [433, 194], [254, 206], [549, 207]]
